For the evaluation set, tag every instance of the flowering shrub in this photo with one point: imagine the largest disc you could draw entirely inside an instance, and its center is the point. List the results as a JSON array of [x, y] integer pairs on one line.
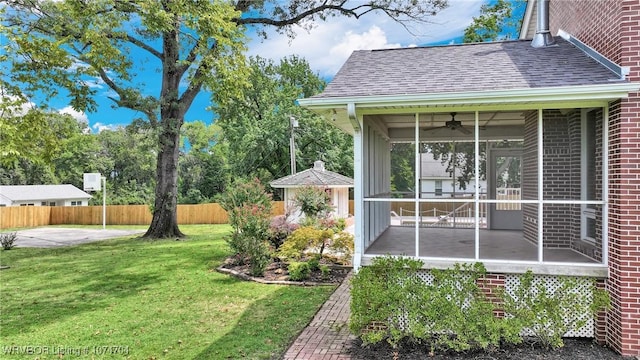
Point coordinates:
[[249, 209], [313, 201], [279, 229]]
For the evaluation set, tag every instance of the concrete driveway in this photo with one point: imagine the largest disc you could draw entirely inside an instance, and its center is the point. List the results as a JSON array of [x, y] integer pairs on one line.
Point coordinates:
[[48, 237]]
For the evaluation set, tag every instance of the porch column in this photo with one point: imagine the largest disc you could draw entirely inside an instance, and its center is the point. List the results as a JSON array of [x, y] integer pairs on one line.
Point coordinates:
[[357, 190]]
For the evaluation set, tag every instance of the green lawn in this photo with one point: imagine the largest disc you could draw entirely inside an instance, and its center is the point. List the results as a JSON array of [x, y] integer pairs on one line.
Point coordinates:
[[146, 299]]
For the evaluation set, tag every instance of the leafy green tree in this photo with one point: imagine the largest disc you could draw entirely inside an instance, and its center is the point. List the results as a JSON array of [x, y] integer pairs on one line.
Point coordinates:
[[60, 134], [203, 164], [257, 129], [56, 46], [130, 168], [27, 132], [494, 22], [402, 167]]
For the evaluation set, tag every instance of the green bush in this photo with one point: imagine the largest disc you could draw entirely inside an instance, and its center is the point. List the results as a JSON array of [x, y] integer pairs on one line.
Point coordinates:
[[303, 239], [381, 295], [316, 241], [299, 271], [390, 302], [312, 201], [325, 270], [249, 209], [551, 314], [314, 263], [7, 241]]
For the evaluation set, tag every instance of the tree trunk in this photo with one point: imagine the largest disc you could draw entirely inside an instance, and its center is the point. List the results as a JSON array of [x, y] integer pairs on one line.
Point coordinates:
[[165, 211], [165, 217]]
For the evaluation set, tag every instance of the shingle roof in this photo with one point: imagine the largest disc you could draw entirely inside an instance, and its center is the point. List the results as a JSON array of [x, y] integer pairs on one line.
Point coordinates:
[[316, 176], [430, 168], [465, 68], [42, 192]]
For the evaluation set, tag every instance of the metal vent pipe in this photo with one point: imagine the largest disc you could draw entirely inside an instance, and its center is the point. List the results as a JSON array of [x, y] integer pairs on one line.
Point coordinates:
[[543, 37]]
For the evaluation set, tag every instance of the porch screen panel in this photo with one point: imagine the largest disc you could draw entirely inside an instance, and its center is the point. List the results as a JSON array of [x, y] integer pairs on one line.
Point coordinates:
[[530, 177], [376, 166]]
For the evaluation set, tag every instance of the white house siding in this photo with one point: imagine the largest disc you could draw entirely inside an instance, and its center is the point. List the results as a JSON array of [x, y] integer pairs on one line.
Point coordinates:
[[48, 202], [4, 201], [339, 200], [376, 179], [428, 188]]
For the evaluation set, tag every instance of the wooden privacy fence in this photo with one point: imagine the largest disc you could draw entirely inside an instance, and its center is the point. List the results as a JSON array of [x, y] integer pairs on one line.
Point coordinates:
[[31, 216]]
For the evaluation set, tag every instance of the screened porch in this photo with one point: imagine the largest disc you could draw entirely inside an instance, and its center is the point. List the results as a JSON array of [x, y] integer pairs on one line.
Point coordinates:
[[519, 188]]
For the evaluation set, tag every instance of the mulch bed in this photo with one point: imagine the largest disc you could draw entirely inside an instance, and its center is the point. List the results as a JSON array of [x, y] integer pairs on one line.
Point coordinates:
[[574, 349], [276, 273]]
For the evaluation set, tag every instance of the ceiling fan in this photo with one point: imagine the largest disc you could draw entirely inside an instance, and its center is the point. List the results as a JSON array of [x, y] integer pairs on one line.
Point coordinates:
[[452, 124]]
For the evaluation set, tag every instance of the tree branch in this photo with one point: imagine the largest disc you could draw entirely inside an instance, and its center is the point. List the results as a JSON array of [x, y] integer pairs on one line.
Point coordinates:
[[144, 46], [126, 100], [295, 19]]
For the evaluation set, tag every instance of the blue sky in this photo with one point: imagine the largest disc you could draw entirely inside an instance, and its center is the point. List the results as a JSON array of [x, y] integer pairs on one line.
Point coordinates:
[[325, 47]]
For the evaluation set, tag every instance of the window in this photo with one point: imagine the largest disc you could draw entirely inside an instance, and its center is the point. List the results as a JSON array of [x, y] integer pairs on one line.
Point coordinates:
[[44, 203], [76, 203], [438, 188]]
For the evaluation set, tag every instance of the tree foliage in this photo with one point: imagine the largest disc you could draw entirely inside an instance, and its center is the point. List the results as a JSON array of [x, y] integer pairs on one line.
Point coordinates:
[[203, 163], [494, 22], [59, 48], [256, 127]]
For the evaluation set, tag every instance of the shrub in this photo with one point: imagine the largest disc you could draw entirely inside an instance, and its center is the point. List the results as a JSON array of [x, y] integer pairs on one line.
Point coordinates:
[[313, 201], [241, 193], [7, 241], [302, 239], [390, 302], [279, 229], [314, 263], [299, 271], [342, 243], [325, 270], [249, 209], [551, 314], [380, 295]]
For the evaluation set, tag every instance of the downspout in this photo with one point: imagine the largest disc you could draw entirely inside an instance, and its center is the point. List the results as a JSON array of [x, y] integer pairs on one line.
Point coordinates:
[[543, 37]]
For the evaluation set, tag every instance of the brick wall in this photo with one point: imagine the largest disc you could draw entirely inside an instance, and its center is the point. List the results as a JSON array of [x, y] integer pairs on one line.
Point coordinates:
[[558, 181], [597, 25], [561, 175], [612, 27]]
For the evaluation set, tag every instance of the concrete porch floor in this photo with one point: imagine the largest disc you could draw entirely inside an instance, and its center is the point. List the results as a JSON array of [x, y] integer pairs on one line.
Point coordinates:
[[459, 243]]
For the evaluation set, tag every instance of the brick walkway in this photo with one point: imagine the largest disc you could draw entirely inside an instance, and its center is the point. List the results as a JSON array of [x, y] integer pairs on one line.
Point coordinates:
[[327, 336]]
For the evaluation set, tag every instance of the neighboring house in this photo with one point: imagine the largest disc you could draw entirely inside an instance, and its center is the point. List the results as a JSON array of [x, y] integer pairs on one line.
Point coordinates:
[[336, 185], [43, 195], [571, 104], [436, 181]]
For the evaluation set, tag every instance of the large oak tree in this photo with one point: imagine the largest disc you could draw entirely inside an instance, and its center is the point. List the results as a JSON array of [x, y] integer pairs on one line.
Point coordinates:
[[194, 45]]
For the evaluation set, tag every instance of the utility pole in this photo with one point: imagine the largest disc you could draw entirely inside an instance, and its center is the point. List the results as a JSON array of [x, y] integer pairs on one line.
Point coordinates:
[[292, 143]]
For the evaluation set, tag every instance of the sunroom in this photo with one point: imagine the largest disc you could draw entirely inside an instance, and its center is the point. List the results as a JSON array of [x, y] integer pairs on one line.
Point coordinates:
[[523, 133]]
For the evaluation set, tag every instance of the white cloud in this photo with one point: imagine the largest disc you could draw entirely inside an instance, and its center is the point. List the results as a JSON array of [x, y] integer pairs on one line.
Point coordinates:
[[329, 43], [99, 127], [80, 116]]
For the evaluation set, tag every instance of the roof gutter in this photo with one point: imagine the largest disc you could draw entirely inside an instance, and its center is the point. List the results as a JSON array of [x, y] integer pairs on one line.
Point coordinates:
[[513, 96]]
